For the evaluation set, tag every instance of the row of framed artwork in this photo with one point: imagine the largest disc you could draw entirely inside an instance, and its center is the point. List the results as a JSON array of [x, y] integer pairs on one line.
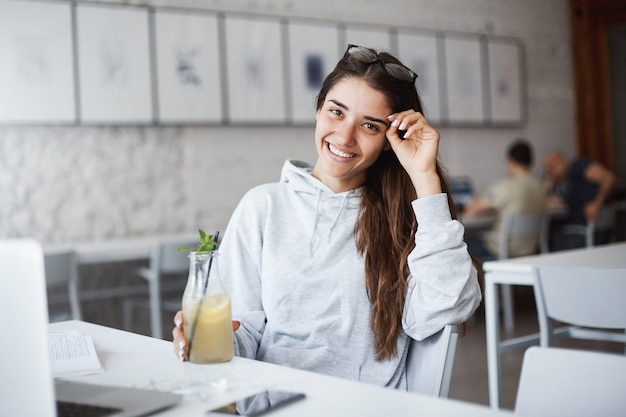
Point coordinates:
[[94, 64]]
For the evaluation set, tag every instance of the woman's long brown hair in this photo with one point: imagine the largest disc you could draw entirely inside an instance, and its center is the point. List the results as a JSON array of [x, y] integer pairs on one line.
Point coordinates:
[[385, 230]]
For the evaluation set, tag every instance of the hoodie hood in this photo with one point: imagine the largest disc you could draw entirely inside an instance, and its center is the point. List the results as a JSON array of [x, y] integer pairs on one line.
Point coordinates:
[[299, 176]]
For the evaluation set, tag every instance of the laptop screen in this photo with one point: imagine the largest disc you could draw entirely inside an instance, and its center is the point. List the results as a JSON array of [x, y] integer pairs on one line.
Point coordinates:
[[461, 191], [26, 379]]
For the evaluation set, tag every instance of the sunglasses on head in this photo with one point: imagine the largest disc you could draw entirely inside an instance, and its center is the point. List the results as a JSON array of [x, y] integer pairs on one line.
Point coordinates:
[[370, 56]]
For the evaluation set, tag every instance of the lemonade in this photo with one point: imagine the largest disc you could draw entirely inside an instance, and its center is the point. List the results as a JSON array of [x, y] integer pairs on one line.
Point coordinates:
[[213, 334]]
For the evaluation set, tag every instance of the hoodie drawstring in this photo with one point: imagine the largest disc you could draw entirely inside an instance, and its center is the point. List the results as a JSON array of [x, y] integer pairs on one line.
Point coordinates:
[[343, 202], [315, 219], [335, 221]]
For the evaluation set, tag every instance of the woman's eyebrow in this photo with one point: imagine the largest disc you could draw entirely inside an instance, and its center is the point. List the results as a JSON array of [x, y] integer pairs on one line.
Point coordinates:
[[370, 118], [373, 119], [338, 103]]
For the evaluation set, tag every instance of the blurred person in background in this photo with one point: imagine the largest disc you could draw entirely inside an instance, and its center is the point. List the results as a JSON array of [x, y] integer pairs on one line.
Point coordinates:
[[518, 193], [582, 186]]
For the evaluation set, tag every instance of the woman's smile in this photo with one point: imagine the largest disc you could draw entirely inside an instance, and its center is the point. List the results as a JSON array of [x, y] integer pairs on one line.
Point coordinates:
[[336, 151]]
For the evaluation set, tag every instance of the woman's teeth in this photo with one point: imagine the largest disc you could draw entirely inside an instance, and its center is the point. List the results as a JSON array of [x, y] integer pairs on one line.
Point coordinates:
[[339, 153]]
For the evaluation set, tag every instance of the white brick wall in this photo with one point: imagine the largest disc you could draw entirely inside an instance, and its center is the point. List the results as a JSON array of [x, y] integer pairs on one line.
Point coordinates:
[[62, 184]]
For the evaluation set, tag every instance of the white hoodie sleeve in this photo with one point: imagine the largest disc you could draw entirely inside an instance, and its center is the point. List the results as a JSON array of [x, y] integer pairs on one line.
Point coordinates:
[[443, 284], [239, 273]]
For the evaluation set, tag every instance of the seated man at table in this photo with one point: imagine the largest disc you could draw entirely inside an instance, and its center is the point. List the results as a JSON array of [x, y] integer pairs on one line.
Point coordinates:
[[518, 193], [582, 186]]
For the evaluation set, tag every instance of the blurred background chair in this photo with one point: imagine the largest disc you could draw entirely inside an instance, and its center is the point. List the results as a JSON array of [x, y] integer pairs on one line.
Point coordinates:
[[519, 225], [591, 302], [164, 260], [62, 277], [430, 362], [598, 231], [571, 383]]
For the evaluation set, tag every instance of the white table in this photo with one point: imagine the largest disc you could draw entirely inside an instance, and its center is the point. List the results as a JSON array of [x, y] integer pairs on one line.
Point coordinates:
[[520, 271], [134, 360], [118, 250]]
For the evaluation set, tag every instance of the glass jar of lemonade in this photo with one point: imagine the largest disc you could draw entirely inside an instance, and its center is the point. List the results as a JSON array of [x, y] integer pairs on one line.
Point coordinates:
[[207, 314]]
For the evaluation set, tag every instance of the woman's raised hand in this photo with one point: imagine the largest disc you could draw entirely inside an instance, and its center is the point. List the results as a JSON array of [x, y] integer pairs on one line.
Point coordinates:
[[417, 151]]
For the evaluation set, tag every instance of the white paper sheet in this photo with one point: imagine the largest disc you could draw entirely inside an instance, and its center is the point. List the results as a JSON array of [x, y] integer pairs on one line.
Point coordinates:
[[73, 354]]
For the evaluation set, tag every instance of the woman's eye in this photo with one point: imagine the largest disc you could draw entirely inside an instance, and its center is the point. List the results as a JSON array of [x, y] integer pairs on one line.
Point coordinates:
[[371, 126], [336, 112]]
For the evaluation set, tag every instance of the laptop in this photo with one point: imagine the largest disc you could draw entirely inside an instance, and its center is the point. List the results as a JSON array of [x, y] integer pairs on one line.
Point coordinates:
[[28, 388], [461, 191]]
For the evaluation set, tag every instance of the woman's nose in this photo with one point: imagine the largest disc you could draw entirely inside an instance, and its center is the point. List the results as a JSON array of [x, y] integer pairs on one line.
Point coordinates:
[[346, 134]]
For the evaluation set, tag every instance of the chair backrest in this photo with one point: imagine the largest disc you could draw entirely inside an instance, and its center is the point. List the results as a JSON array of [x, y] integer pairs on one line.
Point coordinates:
[[520, 225], [588, 297], [544, 233], [558, 382], [59, 266], [605, 222], [61, 270], [606, 217], [430, 361], [166, 258]]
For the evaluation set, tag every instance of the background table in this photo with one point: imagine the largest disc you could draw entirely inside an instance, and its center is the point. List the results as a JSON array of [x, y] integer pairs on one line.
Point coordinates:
[[118, 250], [134, 360], [520, 271]]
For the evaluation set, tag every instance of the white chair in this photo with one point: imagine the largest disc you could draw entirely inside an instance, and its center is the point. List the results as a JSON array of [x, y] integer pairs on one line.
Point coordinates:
[[604, 223], [589, 301], [61, 271], [164, 259], [429, 363], [559, 382], [518, 225]]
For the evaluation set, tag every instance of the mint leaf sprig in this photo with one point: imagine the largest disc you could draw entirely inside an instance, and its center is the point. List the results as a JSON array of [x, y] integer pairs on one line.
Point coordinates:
[[208, 243]]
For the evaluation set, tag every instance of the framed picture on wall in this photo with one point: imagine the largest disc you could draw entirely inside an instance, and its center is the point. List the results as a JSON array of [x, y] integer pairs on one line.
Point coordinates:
[[37, 65], [255, 70], [376, 37], [188, 72], [464, 80], [313, 53], [506, 84], [114, 64], [420, 52]]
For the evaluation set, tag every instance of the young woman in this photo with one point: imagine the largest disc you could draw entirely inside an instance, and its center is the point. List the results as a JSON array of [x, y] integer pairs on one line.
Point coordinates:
[[336, 266]]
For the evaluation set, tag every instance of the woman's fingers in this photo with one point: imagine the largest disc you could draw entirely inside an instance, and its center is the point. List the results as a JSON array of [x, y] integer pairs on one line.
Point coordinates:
[[410, 124], [414, 123], [178, 337], [178, 318]]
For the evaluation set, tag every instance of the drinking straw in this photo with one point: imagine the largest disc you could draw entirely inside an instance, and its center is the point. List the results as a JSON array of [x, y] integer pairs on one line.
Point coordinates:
[[199, 306]]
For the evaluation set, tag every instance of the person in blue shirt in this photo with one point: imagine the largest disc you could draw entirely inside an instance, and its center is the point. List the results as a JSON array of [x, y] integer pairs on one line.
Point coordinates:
[[581, 185]]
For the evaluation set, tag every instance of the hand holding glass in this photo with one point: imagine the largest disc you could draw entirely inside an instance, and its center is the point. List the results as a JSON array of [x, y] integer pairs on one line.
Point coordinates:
[[207, 315]]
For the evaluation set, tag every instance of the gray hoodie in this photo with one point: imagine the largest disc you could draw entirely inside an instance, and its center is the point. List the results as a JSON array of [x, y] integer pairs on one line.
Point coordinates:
[[289, 261]]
